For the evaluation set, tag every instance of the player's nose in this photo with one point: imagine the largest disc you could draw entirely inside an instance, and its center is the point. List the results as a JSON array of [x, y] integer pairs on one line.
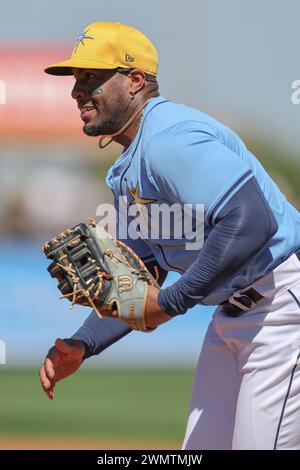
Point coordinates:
[[78, 92]]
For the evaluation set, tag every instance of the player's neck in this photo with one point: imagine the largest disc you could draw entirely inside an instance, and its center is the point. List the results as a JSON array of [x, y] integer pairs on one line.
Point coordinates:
[[129, 134], [126, 137]]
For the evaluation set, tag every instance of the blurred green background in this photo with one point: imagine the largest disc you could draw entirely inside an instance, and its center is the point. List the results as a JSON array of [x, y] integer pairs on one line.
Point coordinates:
[[235, 60], [96, 409]]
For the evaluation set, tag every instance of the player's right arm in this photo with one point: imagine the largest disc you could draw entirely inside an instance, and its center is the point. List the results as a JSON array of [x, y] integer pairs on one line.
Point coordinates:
[[94, 336]]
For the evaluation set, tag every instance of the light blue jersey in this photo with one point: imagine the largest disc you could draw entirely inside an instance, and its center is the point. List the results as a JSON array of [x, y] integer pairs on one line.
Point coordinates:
[[181, 155]]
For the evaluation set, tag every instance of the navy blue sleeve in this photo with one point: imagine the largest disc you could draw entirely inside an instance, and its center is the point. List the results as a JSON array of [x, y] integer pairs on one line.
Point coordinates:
[[98, 334], [241, 229]]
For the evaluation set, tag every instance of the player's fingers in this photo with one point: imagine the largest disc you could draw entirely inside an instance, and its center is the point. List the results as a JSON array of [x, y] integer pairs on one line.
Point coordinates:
[[47, 385], [62, 346], [49, 369], [50, 394], [45, 382]]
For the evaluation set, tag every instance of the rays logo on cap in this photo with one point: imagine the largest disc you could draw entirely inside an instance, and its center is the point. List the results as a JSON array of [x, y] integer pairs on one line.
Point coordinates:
[[81, 38]]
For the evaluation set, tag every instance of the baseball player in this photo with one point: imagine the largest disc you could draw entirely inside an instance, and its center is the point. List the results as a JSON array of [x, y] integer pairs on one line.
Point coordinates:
[[247, 384]]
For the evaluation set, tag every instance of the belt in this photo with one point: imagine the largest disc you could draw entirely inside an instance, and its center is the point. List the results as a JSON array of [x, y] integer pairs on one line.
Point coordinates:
[[239, 303]]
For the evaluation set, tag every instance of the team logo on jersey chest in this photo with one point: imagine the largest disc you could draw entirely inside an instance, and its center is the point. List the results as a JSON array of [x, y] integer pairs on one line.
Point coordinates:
[[137, 198]]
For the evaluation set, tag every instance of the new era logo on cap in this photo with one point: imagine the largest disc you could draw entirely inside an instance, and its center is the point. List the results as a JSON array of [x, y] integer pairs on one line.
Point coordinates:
[[129, 58]]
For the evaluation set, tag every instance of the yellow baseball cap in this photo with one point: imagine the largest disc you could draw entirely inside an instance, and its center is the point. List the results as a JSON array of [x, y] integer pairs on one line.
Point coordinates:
[[105, 45]]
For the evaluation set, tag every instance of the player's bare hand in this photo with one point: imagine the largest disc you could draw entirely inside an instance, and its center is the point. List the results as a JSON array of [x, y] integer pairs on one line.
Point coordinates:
[[62, 360]]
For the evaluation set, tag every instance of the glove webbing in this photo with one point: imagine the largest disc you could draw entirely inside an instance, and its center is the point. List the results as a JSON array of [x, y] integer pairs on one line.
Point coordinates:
[[142, 273], [102, 275]]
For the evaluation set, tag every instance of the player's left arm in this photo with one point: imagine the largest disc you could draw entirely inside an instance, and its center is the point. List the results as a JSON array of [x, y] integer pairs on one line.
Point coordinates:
[[200, 169], [242, 228]]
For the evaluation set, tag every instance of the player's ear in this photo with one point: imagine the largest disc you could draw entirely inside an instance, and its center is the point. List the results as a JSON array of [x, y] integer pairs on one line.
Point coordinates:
[[138, 79]]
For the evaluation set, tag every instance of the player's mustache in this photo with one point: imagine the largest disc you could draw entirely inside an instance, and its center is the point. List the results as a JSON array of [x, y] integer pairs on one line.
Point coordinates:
[[90, 102]]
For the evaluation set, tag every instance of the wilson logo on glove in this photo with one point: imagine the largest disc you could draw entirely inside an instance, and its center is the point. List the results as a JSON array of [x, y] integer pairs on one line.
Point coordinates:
[[125, 283]]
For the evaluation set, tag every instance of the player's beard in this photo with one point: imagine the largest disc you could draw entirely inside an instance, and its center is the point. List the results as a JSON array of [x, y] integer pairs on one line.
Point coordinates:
[[106, 125]]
